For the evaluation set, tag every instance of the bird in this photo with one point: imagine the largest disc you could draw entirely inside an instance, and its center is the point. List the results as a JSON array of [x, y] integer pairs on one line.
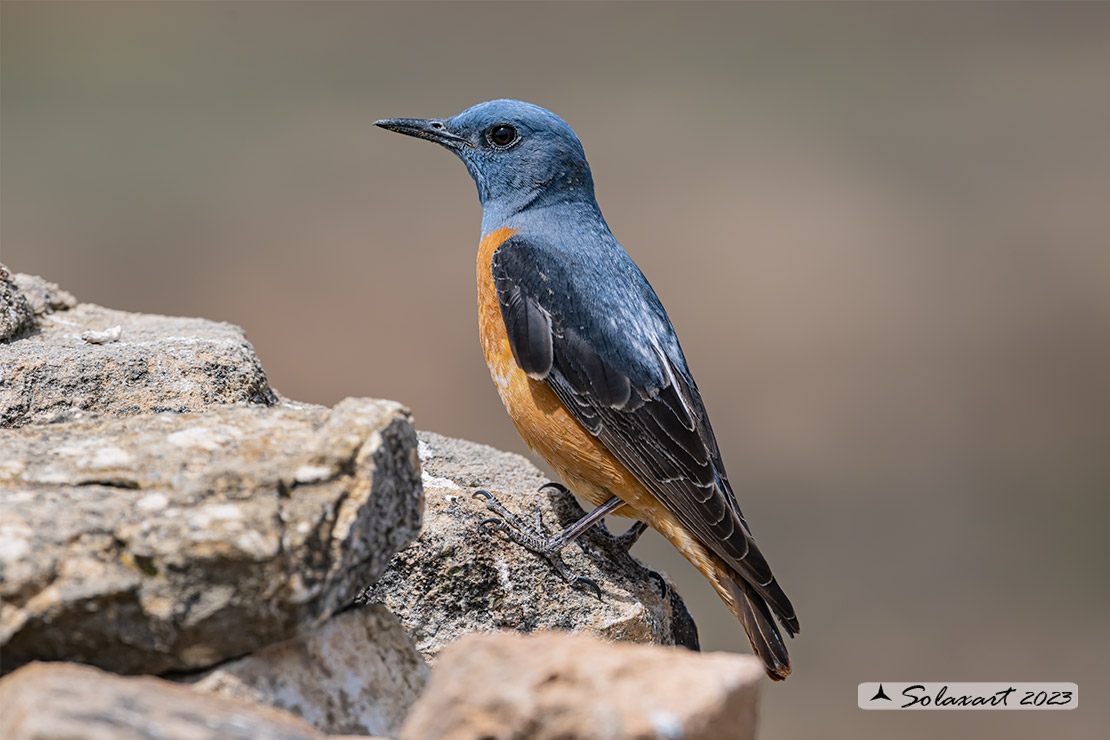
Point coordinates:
[[588, 364]]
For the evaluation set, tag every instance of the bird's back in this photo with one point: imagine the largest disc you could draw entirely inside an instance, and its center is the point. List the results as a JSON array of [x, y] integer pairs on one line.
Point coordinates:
[[613, 358]]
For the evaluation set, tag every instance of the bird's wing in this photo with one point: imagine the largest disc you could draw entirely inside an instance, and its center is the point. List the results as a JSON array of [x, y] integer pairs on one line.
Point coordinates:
[[610, 355]]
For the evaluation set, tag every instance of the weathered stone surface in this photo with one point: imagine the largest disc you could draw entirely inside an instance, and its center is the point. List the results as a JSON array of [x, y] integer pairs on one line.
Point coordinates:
[[454, 580], [159, 363], [43, 296], [356, 674], [64, 701], [575, 687], [17, 317], [175, 541]]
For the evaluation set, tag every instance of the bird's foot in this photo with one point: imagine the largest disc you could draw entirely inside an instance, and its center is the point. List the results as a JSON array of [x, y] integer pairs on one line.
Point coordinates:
[[629, 538], [533, 538]]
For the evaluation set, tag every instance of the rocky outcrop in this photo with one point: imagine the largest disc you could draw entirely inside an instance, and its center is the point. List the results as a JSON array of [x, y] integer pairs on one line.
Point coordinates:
[[175, 541], [356, 674], [573, 687], [163, 511], [17, 317], [454, 580], [78, 358], [63, 701], [43, 296]]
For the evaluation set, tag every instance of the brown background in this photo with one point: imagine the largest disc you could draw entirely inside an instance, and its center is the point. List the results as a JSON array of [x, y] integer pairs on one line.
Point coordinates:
[[881, 231]]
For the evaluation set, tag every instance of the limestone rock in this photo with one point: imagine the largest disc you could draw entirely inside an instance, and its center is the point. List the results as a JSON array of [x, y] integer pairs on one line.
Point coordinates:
[[175, 541], [17, 317], [356, 674], [63, 701], [575, 687], [158, 363], [454, 580]]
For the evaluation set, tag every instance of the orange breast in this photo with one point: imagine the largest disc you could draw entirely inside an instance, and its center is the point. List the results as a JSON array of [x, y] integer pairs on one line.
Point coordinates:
[[584, 464], [540, 417]]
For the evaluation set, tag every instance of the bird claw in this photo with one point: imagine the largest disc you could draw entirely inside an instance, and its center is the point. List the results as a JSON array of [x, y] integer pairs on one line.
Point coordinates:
[[531, 538], [493, 521], [662, 582], [506, 518], [629, 538], [577, 580]]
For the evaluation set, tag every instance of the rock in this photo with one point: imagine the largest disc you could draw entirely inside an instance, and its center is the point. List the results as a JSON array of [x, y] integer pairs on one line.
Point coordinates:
[[43, 296], [574, 687], [356, 674], [454, 580], [17, 317], [158, 363], [63, 701], [176, 541]]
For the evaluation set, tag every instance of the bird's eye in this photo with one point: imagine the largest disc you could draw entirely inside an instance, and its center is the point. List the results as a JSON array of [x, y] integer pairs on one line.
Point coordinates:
[[501, 135]]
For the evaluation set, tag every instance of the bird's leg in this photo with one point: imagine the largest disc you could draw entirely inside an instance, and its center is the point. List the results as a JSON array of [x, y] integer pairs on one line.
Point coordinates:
[[624, 541], [536, 539]]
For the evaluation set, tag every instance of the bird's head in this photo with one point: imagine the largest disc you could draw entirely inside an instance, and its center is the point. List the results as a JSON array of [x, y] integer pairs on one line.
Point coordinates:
[[519, 154]]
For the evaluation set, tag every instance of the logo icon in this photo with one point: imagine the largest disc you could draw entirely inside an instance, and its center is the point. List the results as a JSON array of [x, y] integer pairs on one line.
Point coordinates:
[[880, 694]]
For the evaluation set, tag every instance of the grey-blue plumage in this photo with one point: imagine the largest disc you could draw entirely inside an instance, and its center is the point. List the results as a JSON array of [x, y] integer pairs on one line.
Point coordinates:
[[581, 317]]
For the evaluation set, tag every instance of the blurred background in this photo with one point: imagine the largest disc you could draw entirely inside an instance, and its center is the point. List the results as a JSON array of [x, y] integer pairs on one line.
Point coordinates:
[[882, 232]]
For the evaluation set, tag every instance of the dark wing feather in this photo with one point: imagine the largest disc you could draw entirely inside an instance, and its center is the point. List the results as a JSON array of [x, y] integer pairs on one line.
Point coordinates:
[[529, 330], [659, 430]]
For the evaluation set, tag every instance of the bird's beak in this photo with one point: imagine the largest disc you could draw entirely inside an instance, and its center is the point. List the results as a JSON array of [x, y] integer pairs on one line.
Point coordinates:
[[432, 129]]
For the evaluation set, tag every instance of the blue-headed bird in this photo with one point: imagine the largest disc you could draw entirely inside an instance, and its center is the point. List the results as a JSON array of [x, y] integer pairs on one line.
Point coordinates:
[[588, 365]]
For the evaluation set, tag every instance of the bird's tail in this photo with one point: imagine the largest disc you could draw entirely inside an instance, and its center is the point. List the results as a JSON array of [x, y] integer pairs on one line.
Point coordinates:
[[754, 613]]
